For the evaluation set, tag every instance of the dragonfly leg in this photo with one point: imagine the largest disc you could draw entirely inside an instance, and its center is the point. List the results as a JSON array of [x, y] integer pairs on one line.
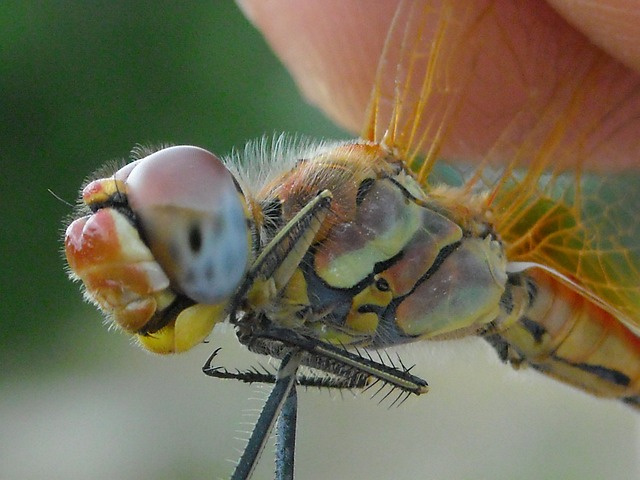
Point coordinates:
[[280, 258], [262, 374], [286, 437], [285, 382], [352, 369], [253, 375]]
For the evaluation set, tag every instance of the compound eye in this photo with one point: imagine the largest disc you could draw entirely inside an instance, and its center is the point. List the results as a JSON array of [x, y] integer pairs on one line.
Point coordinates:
[[193, 219]]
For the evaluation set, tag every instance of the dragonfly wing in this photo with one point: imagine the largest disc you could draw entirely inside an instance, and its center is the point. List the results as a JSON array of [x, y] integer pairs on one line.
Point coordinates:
[[586, 235]]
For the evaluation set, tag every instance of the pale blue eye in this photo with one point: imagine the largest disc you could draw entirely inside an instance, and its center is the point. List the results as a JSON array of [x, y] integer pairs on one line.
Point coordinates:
[[193, 219]]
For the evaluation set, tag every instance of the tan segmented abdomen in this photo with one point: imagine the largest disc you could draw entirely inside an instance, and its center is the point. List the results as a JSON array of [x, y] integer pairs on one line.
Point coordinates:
[[567, 336]]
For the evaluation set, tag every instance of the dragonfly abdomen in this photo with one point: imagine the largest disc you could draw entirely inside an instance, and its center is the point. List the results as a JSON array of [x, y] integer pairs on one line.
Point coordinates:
[[569, 337]]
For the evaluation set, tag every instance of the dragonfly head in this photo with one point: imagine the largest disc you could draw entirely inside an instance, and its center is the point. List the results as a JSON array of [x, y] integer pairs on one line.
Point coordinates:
[[165, 246]]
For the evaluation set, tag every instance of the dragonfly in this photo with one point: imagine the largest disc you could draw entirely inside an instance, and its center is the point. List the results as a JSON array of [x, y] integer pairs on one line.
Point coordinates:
[[329, 252]]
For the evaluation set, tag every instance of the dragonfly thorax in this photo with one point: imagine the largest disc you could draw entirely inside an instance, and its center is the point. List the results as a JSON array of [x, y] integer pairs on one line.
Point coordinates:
[[386, 265]]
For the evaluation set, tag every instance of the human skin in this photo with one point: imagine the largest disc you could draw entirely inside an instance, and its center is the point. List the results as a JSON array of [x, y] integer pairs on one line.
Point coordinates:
[[610, 24], [332, 49]]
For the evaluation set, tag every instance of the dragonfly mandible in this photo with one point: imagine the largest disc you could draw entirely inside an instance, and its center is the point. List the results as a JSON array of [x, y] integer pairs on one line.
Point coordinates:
[[336, 247]]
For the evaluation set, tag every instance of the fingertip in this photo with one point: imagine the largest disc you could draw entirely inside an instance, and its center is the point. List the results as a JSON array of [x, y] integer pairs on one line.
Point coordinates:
[[331, 48], [527, 53], [610, 24]]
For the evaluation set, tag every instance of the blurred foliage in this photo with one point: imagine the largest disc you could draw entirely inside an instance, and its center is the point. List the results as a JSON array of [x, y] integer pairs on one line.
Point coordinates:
[[81, 83]]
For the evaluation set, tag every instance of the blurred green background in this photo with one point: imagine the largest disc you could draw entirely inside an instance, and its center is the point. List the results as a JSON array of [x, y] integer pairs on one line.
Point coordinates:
[[81, 83]]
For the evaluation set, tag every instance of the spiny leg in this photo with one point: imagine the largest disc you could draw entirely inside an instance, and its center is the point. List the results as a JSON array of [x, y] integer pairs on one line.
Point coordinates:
[[332, 359], [279, 396]]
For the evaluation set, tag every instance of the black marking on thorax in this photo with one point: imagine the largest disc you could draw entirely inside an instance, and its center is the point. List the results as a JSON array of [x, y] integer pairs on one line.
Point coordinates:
[[443, 254]]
